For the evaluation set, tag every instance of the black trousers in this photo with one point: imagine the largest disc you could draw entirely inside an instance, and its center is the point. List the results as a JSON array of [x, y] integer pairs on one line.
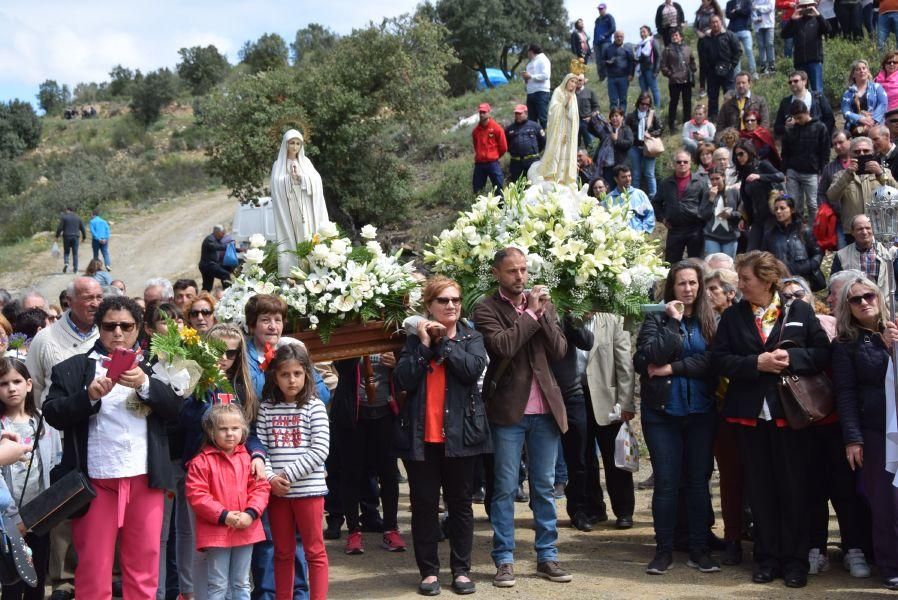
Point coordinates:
[[618, 481], [40, 548], [777, 468], [518, 168], [850, 19], [369, 502], [212, 271], [366, 446], [833, 480], [425, 478], [682, 238], [677, 91], [574, 445], [717, 85]]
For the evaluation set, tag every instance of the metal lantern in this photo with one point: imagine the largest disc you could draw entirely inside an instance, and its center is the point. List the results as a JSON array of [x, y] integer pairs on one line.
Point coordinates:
[[882, 210]]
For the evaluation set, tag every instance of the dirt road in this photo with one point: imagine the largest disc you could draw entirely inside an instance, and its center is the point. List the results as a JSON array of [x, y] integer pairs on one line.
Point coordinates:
[[163, 242]]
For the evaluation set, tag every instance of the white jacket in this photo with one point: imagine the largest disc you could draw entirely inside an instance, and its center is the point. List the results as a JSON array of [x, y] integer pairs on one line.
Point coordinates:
[[51, 346], [762, 14], [609, 367]]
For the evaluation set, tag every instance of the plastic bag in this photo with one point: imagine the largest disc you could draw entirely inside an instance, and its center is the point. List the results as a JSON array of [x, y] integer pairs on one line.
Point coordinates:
[[230, 256], [626, 450], [54, 250]]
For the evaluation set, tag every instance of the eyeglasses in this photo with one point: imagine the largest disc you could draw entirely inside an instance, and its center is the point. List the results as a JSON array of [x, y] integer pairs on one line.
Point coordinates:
[[892, 121], [740, 154], [111, 326], [869, 298], [200, 311], [443, 301], [796, 80], [798, 294], [891, 62], [231, 354], [751, 120], [682, 162]]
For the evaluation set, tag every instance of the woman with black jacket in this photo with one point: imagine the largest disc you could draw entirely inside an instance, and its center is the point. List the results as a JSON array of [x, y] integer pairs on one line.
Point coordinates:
[[791, 242], [615, 141], [758, 178], [860, 362], [757, 340], [678, 414], [114, 432], [643, 121], [443, 428]]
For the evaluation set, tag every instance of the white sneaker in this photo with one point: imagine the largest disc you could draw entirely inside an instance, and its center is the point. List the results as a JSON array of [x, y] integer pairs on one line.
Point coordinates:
[[813, 561], [855, 563]]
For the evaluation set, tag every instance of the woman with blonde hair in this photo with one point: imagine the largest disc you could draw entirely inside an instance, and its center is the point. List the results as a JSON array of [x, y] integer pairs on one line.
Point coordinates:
[[864, 103]]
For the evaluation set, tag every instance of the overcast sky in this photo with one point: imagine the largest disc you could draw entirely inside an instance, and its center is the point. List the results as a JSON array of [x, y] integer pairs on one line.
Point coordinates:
[[74, 42]]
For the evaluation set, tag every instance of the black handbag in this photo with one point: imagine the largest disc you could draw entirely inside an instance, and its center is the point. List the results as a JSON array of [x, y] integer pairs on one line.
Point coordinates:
[[15, 560], [68, 496]]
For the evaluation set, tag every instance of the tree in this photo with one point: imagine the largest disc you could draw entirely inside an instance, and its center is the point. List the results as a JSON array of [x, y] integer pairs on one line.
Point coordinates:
[[20, 128], [488, 33], [202, 68], [52, 98], [267, 53], [357, 112], [151, 93], [311, 39], [120, 80]]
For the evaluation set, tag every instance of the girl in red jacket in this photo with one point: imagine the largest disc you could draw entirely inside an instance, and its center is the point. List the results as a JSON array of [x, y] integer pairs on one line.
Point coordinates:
[[227, 501]]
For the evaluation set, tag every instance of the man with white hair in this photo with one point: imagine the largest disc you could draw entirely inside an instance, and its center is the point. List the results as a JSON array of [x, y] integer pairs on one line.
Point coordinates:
[[719, 260], [866, 254], [862, 176], [158, 290], [34, 299]]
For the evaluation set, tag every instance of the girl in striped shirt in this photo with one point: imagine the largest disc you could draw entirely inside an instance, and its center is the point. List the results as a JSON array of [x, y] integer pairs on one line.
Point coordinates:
[[293, 426]]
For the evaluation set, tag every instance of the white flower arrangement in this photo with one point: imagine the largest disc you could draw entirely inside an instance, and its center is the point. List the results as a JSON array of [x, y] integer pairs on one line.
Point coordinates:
[[579, 247], [335, 282]]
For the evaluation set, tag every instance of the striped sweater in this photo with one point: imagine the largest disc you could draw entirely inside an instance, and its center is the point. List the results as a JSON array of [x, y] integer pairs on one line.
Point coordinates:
[[297, 439]]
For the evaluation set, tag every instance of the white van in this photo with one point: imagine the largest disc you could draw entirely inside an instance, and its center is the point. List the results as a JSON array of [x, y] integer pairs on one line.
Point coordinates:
[[251, 219]]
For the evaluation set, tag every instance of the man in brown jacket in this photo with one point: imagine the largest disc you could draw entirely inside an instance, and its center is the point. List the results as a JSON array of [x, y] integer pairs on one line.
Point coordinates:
[[524, 405]]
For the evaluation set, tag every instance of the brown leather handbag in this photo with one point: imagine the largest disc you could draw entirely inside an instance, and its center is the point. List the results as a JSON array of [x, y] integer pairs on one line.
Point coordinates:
[[806, 398]]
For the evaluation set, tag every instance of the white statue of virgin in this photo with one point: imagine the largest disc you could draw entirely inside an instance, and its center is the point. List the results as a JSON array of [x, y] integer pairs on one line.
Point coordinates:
[[297, 197], [559, 161]]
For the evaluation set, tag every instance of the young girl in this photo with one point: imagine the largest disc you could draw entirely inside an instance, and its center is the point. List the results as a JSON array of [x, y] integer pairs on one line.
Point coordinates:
[[227, 501], [293, 425], [20, 416]]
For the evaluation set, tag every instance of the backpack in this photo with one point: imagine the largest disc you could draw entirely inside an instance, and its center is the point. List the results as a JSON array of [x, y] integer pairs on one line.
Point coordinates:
[[825, 227]]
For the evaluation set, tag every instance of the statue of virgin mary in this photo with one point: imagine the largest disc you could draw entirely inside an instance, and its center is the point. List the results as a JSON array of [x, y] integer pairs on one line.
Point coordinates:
[[297, 198], [559, 161]]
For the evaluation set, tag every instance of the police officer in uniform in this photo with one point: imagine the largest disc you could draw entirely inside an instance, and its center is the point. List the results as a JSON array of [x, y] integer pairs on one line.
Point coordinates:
[[526, 140]]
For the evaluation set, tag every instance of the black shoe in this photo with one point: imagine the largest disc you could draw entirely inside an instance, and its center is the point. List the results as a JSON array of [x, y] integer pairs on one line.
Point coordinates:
[[598, 517], [65, 269], [521, 495], [625, 522], [332, 531], [62, 595], [581, 522], [429, 589], [647, 483], [796, 579], [479, 496], [764, 574], [703, 562], [462, 588], [732, 554], [661, 564]]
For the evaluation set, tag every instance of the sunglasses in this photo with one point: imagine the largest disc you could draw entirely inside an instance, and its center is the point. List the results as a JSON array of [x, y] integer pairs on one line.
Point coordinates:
[[799, 294], [231, 354], [751, 120], [740, 154], [892, 62], [200, 311], [796, 80], [111, 326], [869, 298], [443, 301], [682, 162]]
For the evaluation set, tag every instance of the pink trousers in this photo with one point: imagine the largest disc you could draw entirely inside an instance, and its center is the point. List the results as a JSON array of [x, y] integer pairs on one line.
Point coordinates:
[[129, 510]]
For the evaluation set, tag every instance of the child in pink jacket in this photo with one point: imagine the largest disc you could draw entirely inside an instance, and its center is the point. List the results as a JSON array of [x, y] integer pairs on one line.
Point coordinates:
[[227, 501]]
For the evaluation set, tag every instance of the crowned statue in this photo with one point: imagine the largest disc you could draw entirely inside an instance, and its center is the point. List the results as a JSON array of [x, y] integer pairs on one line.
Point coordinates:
[[297, 198]]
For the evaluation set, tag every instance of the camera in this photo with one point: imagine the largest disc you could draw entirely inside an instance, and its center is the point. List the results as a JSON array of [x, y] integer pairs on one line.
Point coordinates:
[[862, 162]]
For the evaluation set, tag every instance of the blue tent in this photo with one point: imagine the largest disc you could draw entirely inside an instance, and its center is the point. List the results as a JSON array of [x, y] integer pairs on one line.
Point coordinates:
[[496, 76]]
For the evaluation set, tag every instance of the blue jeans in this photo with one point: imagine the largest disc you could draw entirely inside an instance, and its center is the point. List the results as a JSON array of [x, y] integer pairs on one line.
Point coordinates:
[[788, 43], [560, 466], [885, 25], [262, 567], [648, 82], [728, 248], [643, 168], [104, 248], [541, 435], [583, 136], [815, 74], [538, 107], [765, 48], [747, 50], [680, 448], [484, 171], [617, 92], [227, 570]]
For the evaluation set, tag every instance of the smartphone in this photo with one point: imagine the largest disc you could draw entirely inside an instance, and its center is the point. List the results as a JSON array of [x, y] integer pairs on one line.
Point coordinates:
[[121, 360], [862, 162], [652, 308]]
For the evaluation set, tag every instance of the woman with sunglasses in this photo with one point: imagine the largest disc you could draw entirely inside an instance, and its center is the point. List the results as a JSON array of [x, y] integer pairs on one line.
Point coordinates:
[[119, 429], [200, 312], [757, 179], [864, 102], [788, 239], [758, 339], [860, 362], [888, 78], [761, 137], [438, 438], [643, 121]]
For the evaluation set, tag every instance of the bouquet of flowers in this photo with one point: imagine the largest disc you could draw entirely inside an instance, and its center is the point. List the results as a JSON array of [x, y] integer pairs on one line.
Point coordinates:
[[188, 362], [335, 282], [580, 248]]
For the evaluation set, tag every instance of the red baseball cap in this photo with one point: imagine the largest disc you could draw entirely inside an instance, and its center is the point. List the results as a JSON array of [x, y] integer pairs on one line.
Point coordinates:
[[484, 107], [520, 108]]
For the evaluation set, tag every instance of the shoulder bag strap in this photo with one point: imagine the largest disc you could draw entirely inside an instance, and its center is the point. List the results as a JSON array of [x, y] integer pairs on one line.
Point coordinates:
[[34, 450]]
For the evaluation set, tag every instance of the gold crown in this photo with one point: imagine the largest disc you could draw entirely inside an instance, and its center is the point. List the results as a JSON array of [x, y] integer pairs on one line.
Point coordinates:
[[578, 67]]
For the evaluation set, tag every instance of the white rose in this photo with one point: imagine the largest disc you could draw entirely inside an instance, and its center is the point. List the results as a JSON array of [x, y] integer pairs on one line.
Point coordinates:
[[369, 232], [339, 246], [257, 240], [625, 279], [374, 248], [328, 229], [254, 255]]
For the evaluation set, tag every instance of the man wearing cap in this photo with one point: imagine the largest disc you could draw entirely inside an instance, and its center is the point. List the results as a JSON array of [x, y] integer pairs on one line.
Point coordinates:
[[489, 146], [602, 34], [537, 76], [526, 140], [807, 28]]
